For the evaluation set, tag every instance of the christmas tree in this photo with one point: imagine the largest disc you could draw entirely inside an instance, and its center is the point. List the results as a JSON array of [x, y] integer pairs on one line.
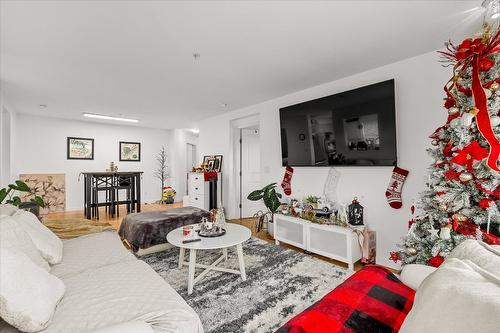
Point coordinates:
[[463, 190]]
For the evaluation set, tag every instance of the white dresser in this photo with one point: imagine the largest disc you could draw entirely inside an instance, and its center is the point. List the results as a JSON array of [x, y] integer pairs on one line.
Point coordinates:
[[199, 191]]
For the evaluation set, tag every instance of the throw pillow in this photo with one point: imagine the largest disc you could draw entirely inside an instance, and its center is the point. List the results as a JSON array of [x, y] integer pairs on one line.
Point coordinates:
[[8, 209], [480, 253], [12, 236], [460, 297], [413, 274], [28, 293], [47, 243]]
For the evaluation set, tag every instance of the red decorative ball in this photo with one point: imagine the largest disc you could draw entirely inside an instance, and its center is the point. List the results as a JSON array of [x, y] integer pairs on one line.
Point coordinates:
[[436, 261], [486, 203]]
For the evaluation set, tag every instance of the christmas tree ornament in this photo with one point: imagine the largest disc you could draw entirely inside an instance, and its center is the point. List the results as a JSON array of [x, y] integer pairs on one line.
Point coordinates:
[[466, 119], [487, 92], [434, 142], [411, 251], [443, 207], [393, 192], [433, 231], [287, 180], [455, 122], [460, 217], [445, 232], [494, 86], [495, 121], [436, 261], [465, 177], [453, 111]]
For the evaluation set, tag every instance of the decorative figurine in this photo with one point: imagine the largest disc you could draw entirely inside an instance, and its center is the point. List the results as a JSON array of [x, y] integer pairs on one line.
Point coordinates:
[[168, 195], [355, 213]]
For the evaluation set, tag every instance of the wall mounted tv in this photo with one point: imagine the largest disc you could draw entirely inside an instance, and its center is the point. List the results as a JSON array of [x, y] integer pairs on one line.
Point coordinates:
[[352, 128]]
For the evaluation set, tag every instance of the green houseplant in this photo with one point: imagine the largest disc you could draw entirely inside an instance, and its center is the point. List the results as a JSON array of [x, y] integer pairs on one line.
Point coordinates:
[[272, 202], [9, 194]]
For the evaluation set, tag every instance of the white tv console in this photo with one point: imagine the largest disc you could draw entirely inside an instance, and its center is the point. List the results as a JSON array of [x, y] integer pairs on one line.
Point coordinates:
[[335, 242]]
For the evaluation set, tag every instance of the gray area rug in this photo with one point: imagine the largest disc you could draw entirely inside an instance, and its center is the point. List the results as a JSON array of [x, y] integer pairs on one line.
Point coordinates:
[[280, 284]]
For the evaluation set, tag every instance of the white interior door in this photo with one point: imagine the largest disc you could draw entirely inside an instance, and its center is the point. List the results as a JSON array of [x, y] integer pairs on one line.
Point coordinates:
[[190, 156], [250, 170]]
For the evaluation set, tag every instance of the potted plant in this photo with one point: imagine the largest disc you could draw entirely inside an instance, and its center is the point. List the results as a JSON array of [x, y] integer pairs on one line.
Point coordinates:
[[272, 202], [9, 195]]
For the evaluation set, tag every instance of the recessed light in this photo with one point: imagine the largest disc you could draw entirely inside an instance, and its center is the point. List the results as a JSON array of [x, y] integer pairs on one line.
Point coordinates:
[[101, 116], [195, 130], [43, 106]]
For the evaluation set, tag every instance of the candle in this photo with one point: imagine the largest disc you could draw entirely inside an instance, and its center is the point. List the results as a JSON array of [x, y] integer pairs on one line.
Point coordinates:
[[489, 220]]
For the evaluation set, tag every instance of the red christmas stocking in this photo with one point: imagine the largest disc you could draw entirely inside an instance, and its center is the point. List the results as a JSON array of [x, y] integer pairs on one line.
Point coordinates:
[[393, 192], [286, 183]]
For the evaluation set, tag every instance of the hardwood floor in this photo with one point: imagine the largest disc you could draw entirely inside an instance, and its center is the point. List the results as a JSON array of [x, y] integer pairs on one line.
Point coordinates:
[[248, 222]]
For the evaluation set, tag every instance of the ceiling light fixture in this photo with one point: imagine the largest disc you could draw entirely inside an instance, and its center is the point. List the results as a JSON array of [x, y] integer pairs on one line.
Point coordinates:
[[492, 8], [43, 106], [101, 116], [196, 56], [195, 130], [224, 105]]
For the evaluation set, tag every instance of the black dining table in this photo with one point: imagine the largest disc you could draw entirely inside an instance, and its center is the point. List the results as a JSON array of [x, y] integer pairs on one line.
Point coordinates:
[[111, 183]]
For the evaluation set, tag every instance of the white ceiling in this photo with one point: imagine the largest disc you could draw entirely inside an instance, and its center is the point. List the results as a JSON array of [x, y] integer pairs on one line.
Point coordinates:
[[134, 58]]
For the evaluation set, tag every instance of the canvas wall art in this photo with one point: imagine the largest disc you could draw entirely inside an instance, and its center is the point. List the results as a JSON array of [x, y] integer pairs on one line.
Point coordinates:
[[80, 148], [52, 189], [130, 151]]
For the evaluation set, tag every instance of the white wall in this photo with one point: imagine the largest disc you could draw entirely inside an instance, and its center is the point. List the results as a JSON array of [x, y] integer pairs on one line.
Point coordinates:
[[7, 130], [40, 146], [419, 99]]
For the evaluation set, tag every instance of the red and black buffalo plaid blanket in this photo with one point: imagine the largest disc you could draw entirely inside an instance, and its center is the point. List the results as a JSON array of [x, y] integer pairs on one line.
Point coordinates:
[[372, 300]]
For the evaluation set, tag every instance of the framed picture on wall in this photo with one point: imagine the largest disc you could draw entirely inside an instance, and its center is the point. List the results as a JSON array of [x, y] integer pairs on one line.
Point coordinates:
[[130, 151], [80, 148]]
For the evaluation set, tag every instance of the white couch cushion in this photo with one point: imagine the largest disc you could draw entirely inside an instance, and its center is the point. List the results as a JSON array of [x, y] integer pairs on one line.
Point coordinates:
[[102, 297], [13, 236], [91, 251], [413, 274], [47, 243], [485, 256], [8, 209], [460, 297], [28, 293], [134, 326]]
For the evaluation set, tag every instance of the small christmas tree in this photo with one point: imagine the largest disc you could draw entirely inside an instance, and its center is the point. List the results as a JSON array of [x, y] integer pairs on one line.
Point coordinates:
[[161, 172], [464, 181]]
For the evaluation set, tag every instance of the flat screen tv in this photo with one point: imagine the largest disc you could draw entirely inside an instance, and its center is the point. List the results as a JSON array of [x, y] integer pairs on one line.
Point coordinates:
[[351, 128]]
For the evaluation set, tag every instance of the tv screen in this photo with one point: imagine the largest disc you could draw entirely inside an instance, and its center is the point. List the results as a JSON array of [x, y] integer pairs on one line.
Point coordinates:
[[355, 127]]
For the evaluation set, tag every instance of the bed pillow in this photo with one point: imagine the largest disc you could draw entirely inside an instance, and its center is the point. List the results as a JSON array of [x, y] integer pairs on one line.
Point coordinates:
[[12, 236], [8, 209], [460, 297], [47, 243], [28, 294]]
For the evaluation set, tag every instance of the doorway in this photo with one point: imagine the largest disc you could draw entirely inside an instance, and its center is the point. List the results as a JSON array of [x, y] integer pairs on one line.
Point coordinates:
[[5, 153], [191, 156], [249, 170]]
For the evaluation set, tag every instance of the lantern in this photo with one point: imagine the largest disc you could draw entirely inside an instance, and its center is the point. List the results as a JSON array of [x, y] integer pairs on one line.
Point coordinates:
[[355, 213]]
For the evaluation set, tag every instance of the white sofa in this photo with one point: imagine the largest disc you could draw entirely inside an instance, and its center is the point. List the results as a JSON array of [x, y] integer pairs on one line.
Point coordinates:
[[109, 290]]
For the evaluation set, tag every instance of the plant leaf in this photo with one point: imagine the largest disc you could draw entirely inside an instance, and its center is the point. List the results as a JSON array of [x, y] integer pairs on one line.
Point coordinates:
[[3, 194], [21, 186], [271, 200], [38, 200], [255, 195], [16, 201], [268, 187]]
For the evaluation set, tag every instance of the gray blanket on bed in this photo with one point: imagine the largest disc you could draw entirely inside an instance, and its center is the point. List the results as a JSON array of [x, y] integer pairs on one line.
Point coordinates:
[[142, 230]]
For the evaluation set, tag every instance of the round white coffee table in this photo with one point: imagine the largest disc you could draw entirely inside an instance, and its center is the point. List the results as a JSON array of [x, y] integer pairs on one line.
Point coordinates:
[[235, 236]]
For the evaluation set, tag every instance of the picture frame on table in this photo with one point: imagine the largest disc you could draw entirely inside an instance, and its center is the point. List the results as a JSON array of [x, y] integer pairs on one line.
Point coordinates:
[[214, 162], [79, 148], [130, 151]]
